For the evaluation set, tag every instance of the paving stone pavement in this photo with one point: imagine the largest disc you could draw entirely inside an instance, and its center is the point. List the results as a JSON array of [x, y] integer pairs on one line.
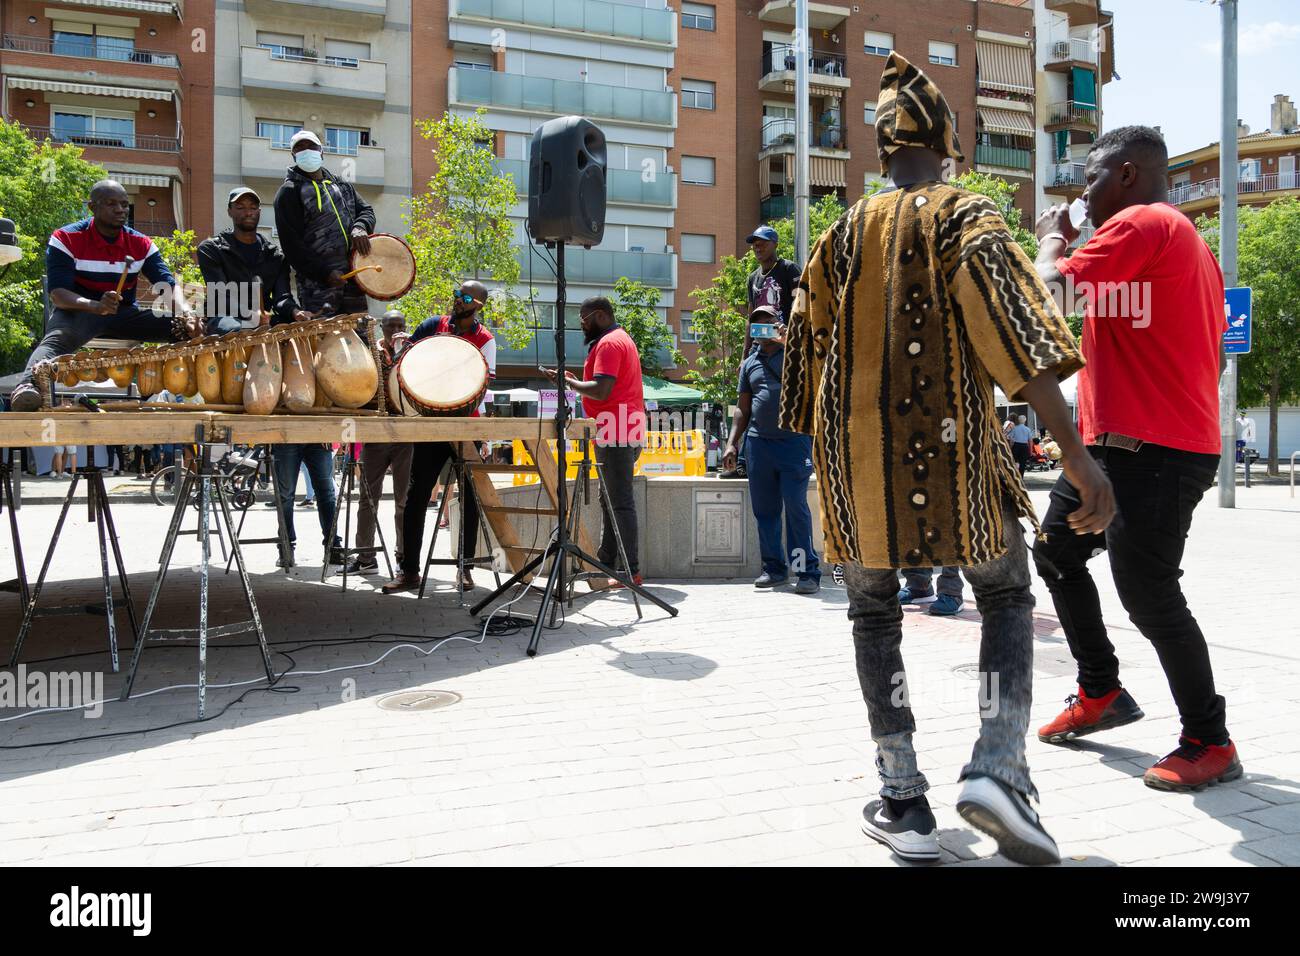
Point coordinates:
[[733, 734]]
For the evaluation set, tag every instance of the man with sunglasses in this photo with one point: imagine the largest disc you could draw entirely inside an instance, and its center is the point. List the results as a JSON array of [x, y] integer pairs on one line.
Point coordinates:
[[429, 458]]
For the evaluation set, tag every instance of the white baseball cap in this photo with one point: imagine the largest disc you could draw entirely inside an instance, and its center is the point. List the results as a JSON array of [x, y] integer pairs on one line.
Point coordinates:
[[243, 191], [304, 134]]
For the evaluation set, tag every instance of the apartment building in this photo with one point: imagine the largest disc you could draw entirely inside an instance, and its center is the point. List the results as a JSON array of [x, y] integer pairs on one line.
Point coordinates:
[[1076, 59], [128, 80], [341, 68], [1267, 166]]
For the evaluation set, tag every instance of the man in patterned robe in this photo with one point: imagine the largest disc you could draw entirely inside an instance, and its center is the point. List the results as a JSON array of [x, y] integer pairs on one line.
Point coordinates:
[[911, 306]]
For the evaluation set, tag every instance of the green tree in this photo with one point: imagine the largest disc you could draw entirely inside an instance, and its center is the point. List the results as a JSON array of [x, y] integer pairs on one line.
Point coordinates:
[[460, 228], [720, 317], [1268, 261], [635, 305], [1003, 195], [42, 186]]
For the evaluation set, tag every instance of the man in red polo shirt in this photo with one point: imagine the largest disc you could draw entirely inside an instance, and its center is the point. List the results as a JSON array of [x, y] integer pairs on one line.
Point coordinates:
[[1149, 410], [611, 393]]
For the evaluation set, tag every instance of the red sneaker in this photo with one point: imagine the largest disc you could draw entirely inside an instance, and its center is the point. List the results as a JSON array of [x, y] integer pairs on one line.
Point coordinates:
[[1085, 715], [1194, 766]]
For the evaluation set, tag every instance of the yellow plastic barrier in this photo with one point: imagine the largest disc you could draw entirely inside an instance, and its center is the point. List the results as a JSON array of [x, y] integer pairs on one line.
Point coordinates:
[[665, 453]]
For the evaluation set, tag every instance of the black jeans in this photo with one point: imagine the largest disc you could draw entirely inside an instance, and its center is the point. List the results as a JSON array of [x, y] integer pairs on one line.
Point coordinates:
[[1156, 491], [68, 331], [427, 461], [617, 464]]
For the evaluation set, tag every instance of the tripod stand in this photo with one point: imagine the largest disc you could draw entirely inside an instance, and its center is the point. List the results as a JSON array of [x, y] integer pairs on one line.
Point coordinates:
[[561, 546]]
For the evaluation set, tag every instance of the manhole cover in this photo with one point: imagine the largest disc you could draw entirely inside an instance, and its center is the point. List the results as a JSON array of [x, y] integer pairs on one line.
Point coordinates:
[[415, 700]]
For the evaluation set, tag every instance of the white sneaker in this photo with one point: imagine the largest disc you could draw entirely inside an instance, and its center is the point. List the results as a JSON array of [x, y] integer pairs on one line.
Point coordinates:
[[990, 805]]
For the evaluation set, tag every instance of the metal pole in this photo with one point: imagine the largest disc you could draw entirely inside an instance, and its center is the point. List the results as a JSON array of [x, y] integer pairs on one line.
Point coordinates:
[[1228, 251], [802, 124]]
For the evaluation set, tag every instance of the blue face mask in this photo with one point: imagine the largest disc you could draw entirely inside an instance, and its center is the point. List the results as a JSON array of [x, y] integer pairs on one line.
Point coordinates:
[[308, 160]]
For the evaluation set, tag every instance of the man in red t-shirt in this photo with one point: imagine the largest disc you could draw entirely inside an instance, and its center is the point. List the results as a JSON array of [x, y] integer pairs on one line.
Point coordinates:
[[1149, 410], [612, 394]]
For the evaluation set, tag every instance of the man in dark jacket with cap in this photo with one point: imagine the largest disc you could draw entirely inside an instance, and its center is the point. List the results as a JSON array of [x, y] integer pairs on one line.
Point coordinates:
[[321, 220], [246, 276]]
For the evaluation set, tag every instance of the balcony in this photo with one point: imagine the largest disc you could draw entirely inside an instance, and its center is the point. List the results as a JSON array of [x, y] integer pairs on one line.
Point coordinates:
[[823, 138], [90, 50], [1071, 115], [773, 208], [622, 186], [368, 13], [1065, 179], [1253, 190], [152, 144], [533, 94], [1007, 157], [155, 227], [290, 75], [1079, 11], [260, 160], [1064, 54], [167, 8], [601, 267], [575, 16], [821, 16], [826, 74]]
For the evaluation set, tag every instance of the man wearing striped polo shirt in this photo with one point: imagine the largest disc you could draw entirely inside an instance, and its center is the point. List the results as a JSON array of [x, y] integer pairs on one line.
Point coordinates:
[[83, 263]]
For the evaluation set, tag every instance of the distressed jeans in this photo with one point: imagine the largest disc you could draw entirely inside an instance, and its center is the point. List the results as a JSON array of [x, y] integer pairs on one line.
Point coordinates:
[[1005, 602]]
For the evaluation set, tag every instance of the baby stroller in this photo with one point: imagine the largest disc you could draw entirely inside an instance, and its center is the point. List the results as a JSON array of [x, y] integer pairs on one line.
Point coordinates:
[[241, 474]]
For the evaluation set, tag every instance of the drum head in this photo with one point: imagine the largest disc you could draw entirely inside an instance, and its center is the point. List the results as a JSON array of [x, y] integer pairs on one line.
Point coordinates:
[[394, 257], [444, 373]]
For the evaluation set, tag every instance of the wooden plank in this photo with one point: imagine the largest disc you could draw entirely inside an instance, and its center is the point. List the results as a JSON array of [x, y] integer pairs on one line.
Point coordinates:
[[490, 505], [548, 470], [79, 427], [522, 511]]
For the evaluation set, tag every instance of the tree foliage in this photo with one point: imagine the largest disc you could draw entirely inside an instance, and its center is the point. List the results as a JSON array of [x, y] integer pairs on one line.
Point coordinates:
[[720, 317], [460, 228], [1268, 261], [42, 186], [635, 309]]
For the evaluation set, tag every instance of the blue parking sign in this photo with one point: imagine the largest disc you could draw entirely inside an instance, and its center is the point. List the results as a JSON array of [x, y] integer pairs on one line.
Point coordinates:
[[1236, 308]]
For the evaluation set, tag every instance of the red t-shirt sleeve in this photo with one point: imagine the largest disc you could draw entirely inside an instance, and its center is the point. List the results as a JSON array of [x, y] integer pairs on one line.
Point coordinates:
[[1119, 252], [607, 360]]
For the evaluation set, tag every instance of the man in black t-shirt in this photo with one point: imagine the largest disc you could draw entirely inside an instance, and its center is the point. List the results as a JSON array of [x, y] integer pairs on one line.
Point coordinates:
[[773, 282]]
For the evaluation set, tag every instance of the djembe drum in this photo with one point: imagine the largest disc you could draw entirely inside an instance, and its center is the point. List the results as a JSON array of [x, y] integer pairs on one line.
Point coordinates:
[[439, 376], [387, 272]]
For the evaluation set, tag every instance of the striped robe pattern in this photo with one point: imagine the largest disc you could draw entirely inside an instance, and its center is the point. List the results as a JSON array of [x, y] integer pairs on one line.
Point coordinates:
[[911, 306]]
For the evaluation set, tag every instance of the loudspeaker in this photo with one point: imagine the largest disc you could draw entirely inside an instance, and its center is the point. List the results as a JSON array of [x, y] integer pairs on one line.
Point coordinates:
[[566, 182]]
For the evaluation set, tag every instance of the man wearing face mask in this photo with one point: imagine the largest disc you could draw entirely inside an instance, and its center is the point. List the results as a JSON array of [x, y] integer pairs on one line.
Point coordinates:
[[429, 458], [321, 220]]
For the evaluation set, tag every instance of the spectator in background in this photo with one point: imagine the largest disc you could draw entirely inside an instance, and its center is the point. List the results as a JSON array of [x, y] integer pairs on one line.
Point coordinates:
[[778, 465], [1019, 437], [918, 588]]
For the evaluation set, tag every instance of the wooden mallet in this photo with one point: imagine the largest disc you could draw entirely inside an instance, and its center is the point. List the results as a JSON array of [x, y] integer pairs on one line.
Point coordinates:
[[348, 275], [126, 270]]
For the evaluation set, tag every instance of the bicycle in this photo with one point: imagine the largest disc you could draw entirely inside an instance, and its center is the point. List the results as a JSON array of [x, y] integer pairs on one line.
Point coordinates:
[[237, 471]]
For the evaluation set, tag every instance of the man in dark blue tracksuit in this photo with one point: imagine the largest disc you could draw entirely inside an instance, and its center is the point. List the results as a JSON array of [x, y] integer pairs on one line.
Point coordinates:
[[779, 464]]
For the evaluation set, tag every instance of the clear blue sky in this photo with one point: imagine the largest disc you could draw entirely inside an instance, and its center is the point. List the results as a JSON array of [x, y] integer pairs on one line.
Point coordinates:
[[1167, 53]]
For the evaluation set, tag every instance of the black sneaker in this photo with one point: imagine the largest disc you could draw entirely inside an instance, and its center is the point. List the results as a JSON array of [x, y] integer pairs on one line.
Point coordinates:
[[359, 567], [336, 555], [909, 832], [990, 805], [768, 580]]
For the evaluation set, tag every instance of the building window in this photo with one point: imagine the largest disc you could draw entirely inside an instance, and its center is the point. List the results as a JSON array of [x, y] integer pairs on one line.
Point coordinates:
[[698, 16], [283, 46], [697, 94], [698, 170], [1248, 170], [869, 114], [688, 335], [943, 54], [93, 127], [94, 40], [879, 44], [346, 53], [345, 140], [697, 248], [277, 132]]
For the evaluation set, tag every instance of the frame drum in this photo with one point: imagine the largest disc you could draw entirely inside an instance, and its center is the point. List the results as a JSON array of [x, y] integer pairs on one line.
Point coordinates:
[[442, 375], [396, 272]]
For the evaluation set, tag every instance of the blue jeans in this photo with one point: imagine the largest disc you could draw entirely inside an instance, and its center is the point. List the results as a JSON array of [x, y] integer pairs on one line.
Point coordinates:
[[919, 580], [319, 461], [778, 470]]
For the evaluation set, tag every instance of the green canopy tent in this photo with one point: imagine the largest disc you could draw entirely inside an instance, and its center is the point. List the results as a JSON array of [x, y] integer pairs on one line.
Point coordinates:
[[669, 394]]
